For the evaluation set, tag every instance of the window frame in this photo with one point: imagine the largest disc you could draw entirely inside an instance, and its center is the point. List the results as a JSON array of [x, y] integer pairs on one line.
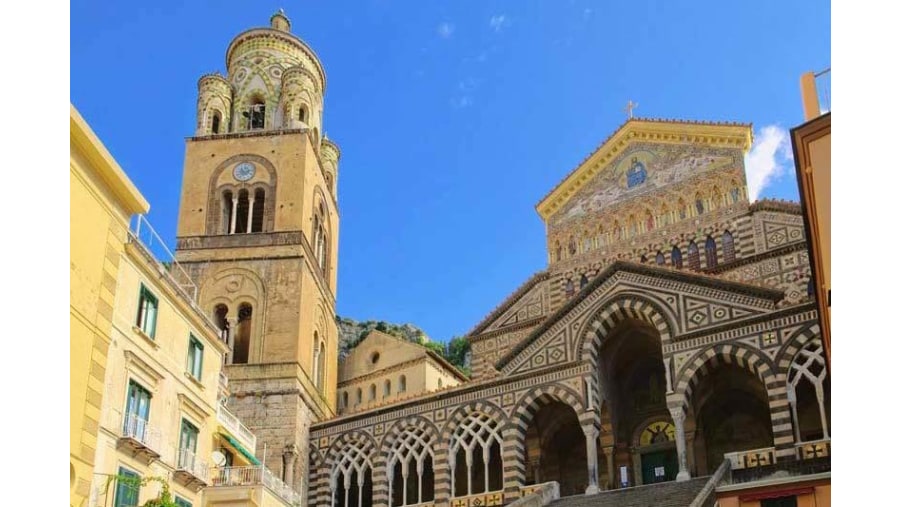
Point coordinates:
[[195, 346], [118, 500], [181, 502], [146, 295]]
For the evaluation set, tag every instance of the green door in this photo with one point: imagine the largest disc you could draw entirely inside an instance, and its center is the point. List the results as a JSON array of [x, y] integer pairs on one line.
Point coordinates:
[[659, 466]]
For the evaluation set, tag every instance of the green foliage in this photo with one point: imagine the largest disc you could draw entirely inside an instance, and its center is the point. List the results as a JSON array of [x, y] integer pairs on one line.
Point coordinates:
[[164, 499]]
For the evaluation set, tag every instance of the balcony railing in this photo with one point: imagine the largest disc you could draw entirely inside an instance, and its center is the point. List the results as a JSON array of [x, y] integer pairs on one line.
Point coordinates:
[[236, 427], [138, 435], [253, 476], [144, 234], [813, 450], [752, 458], [815, 89], [190, 471]]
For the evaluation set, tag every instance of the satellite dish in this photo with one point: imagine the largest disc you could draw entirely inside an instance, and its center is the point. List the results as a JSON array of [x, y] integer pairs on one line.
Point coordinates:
[[218, 458]]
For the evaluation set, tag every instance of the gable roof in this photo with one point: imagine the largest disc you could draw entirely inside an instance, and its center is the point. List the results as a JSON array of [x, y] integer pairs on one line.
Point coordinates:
[[681, 275], [424, 351], [510, 300], [664, 131]]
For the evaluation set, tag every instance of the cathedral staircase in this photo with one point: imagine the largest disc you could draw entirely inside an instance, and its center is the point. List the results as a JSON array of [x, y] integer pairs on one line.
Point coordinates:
[[665, 494]]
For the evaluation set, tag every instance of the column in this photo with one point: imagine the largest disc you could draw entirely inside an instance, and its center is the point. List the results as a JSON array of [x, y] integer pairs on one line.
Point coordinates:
[[611, 471], [289, 456], [250, 216], [232, 328], [442, 475], [234, 202], [820, 395], [590, 440], [535, 465], [512, 455], [678, 419]]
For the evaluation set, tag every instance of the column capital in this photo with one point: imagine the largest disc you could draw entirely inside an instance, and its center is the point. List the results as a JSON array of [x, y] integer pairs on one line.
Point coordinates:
[[677, 415]]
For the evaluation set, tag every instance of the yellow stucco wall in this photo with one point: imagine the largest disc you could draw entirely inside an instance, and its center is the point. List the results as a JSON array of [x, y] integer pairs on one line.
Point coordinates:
[[102, 200], [160, 366], [395, 358]]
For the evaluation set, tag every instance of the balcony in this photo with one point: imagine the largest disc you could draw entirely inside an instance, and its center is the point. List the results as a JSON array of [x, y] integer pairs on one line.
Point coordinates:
[[812, 458], [137, 437], [191, 472], [751, 459], [226, 480], [234, 426]]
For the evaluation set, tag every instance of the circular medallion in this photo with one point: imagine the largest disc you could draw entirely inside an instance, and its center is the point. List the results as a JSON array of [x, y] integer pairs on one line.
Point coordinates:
[[244, 171]]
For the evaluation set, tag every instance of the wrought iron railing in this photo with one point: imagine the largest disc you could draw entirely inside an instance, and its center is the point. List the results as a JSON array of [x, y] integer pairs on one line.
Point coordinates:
[[236, 427], [136, 428], [188, 462], [143, 233], [253, 476]]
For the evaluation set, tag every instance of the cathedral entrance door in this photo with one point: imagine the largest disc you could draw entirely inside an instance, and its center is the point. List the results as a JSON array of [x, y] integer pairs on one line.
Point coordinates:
[[659, 466]]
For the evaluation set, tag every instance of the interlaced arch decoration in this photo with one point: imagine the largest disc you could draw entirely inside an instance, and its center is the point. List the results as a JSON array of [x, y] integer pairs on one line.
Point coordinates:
[[478, 431], [349, 458], [412, 447], [808, 364]]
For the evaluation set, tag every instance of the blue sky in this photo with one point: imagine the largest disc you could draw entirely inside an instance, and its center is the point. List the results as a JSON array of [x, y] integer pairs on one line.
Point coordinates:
[[453, 118]]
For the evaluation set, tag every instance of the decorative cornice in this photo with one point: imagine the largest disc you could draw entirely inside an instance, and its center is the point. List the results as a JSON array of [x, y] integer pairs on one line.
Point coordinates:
[[508, 329], [189, 405], [786, 206], [135, 361], [510, 300], [719, 134], [769, 254]]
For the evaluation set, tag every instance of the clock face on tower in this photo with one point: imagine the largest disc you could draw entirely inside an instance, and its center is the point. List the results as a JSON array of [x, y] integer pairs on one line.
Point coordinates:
[[244, 171]]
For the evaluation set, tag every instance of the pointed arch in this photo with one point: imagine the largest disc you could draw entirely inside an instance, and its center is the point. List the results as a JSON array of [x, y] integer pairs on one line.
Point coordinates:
[[349, 462], [724, 353], [728, 246], [693, 256], [712, 258], [676, 257], [660, 258]]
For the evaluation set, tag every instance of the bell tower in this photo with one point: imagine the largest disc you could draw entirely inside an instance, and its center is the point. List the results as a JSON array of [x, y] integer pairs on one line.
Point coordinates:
[[258, 233]]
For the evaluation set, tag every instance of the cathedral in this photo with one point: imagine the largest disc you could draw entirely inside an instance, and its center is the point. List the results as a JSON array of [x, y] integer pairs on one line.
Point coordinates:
[[671, 337]]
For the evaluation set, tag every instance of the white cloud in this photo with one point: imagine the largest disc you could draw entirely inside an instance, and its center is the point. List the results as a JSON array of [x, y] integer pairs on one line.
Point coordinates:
[[499, 22], [461, 102], [445, 30], [769, 159]]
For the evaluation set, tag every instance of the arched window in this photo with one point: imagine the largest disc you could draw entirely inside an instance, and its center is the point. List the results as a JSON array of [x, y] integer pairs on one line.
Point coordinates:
[[586, 244], [241, 352], [410, 468], [476, 465], [228, 216], [558, 251], [809, 392], [301, 114], [712, 258], [256, 114], [220, 314], [345, 400], [358, 395], [682, 209], [258, 210], [216, 121], [698, 203], [243, 211], [660, 259], [728, 246], [570, 288], [401, 384], [318, 361], [387, 388], [320, 240], [676, 257], [573, 248], [329, 182], [693, 256], [583, 283], [372, 392], [350, 483], [322, 357], [735, 195], [440, 383], [643, 258]]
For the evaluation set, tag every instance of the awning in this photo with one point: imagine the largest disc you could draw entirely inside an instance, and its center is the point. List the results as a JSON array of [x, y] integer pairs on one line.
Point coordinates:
[[234, 443]]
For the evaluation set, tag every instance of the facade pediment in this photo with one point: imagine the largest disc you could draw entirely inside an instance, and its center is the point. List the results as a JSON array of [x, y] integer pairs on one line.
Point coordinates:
[[676, 303]]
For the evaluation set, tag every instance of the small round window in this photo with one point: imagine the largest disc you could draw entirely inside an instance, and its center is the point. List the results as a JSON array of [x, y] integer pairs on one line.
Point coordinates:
[[375, 357]]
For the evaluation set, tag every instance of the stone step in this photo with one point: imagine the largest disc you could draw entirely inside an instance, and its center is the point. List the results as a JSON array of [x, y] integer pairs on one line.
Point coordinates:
[[665, 494]]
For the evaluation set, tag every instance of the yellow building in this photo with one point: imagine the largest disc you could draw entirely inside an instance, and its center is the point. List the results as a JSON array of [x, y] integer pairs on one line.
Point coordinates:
[[102, 199], [383, 369], [162, 381]]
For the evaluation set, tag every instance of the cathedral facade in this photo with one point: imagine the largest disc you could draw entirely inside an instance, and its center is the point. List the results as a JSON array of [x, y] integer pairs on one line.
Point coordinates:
[[672, 331]]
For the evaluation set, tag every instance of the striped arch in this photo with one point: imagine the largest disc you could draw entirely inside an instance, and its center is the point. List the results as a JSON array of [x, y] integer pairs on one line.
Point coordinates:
[[464, 411], [708, 360], [616, 310], [318, 478], [793, 344], [523, 414]]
